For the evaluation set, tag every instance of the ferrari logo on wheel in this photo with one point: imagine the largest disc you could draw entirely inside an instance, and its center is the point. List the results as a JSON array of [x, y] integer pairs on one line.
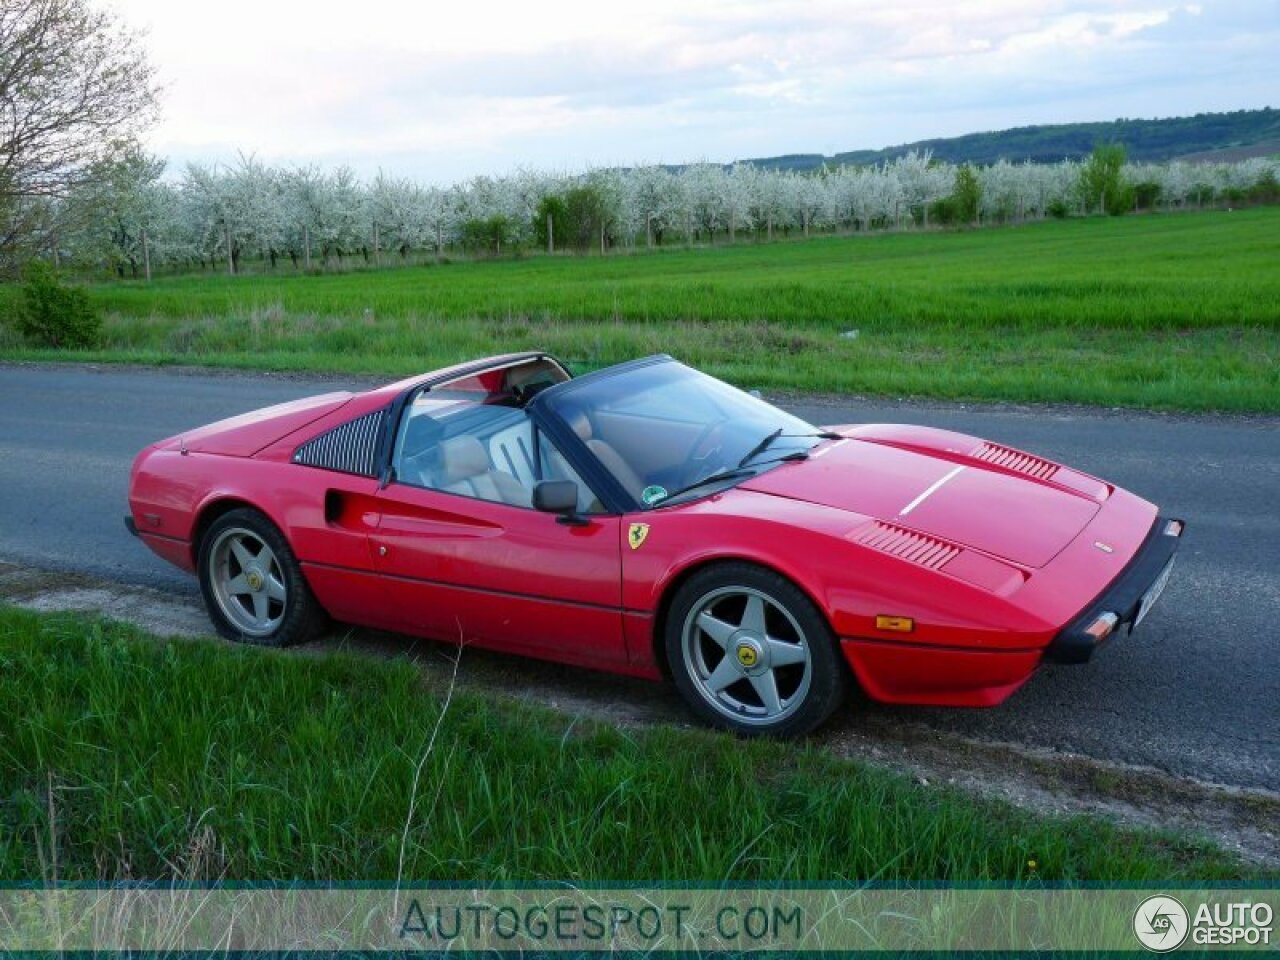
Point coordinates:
[[636, 535], [747, 656]]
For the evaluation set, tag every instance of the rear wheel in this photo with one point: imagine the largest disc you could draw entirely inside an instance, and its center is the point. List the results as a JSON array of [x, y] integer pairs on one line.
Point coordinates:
[[751, 653], [253, 587]]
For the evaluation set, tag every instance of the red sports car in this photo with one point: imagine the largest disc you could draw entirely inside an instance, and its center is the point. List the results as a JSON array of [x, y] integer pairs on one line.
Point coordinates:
[[651, 520]]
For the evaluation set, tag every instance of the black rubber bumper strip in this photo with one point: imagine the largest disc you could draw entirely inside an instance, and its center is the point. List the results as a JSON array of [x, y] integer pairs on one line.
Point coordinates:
[[1122, 597]]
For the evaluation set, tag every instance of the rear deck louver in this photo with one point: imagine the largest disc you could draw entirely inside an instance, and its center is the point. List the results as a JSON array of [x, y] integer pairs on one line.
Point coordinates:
[[917, 548], [1015, 460], [350, 448]]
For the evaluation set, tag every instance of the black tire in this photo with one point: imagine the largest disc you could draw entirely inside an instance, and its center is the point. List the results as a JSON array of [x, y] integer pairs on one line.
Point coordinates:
[[789, 615], [293, 614]]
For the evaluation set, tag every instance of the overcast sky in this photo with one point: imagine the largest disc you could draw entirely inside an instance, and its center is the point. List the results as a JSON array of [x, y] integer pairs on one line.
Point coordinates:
[[446, 90]]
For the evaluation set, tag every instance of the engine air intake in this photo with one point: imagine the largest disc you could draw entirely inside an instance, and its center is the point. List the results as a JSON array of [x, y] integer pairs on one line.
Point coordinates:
[[350, 448], [1015, 460], [918, 548]]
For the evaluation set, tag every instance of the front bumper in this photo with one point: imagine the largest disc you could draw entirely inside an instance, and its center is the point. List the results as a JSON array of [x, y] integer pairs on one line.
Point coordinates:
[[1121, 603]]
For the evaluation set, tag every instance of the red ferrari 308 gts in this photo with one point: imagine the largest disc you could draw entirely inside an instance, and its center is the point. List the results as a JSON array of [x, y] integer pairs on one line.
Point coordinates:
[[651, 520]]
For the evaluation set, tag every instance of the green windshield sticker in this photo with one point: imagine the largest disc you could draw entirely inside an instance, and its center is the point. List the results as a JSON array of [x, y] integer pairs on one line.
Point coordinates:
[[652, 495]]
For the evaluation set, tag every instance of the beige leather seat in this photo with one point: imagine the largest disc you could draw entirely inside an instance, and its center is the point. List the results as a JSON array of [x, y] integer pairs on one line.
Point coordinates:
[[465, 469], [609, 457]]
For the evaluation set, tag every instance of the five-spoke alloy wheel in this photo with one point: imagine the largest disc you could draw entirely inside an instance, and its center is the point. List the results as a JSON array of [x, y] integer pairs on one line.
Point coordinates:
[[252, 585], [750, 652]]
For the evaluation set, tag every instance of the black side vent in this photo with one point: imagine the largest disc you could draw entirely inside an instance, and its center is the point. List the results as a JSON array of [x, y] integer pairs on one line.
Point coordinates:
[[350, 448]]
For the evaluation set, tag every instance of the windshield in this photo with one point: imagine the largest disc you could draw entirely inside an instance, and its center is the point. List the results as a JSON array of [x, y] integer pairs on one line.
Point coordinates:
[[661, 427]]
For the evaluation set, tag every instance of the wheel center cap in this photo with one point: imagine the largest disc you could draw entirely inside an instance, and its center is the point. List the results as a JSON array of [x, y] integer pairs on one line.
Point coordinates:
[[750, 654], [254, 579]]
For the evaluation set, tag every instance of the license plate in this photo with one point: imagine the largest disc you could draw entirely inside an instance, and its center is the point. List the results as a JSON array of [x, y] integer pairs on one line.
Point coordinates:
[[1152, 595]]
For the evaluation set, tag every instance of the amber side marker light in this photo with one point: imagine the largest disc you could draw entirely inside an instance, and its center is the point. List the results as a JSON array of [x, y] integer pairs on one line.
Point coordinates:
[[897, 624], [1102, 626]]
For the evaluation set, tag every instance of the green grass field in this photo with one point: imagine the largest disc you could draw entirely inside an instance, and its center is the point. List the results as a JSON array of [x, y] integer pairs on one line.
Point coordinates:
[[1174, 311], [123, 756]]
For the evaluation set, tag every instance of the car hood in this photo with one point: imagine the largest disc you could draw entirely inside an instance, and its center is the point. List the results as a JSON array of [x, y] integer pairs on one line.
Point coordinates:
[[952, 494]]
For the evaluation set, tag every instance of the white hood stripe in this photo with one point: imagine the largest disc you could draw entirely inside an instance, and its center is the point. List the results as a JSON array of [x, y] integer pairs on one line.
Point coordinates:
[[933, 487]]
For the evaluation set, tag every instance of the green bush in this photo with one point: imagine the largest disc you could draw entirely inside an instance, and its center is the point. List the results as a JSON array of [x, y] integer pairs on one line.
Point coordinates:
[[487, 235], [1146, 194], [1102, 183], [551, 208], [966, 195], [943, 212], [588, 214], [52, 314], [1266, 190], [1234, 196], [1119, 200]]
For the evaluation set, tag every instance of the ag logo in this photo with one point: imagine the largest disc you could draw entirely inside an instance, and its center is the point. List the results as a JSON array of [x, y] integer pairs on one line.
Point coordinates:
[[1160, 923], [636, 535], [747, 656]]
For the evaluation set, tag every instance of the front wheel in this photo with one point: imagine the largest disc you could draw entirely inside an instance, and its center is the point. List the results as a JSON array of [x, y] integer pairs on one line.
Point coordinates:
[[751, 653], [252, 585]]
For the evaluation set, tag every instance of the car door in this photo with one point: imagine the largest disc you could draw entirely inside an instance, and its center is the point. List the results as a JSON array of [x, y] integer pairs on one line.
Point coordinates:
[[327, 498], [460, 563]]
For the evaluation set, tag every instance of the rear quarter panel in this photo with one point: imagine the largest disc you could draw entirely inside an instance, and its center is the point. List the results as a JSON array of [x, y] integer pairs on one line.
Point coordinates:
[[171, 491], [174, 481]]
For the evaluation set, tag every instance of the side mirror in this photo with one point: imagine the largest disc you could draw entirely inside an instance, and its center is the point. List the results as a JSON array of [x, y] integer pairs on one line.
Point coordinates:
[[558, 496]]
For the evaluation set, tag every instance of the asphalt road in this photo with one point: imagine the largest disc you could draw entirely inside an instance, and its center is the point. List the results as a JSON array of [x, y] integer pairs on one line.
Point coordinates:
[[1196, 691]]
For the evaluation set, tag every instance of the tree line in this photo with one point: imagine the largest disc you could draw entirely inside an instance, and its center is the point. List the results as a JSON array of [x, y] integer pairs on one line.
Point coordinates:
[[129, 219], [1146, 140]]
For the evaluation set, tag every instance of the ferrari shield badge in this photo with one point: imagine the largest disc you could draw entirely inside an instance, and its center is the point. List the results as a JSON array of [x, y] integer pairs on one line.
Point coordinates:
[[636, 535]]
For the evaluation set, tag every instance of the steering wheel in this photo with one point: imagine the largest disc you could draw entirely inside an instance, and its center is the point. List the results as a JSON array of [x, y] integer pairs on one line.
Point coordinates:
[[698, 464]]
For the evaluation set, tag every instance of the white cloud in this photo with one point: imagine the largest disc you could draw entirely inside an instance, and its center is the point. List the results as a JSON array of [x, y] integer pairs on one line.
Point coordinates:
[[445, 90]]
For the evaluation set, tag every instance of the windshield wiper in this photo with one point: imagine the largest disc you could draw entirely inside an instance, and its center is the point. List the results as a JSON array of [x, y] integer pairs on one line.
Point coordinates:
[[777, 434], [759, 447], [732, 473]]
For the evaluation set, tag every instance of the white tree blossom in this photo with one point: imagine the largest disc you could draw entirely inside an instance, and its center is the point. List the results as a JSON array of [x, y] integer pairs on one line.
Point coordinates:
[[128, 218]]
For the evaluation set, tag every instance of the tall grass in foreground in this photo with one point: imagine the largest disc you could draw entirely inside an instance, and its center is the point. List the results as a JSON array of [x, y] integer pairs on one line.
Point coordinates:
[[125, 756]]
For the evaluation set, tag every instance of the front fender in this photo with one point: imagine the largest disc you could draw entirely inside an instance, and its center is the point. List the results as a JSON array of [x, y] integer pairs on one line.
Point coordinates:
[[815, 547]]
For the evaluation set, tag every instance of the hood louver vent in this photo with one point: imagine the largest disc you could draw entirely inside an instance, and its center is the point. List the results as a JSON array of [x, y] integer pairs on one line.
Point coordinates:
[[1016, 461], [917, 548]]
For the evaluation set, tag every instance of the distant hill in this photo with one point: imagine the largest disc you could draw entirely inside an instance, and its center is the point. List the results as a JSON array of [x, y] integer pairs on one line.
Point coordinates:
[[1205, 136]]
